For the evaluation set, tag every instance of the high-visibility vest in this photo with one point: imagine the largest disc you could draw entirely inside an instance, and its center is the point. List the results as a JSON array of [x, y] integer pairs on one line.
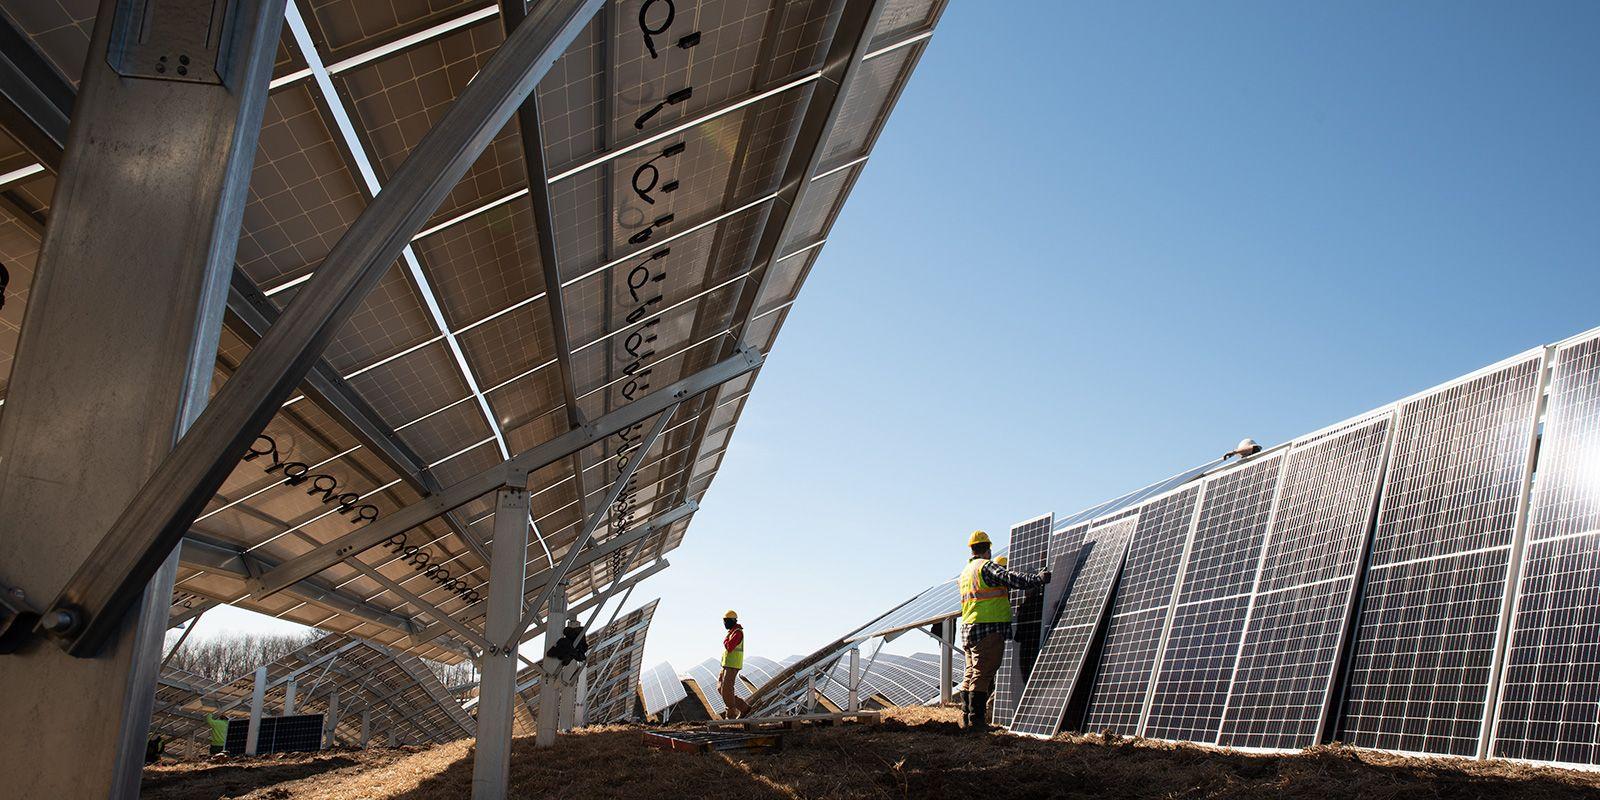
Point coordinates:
[[219, 730], [733, 659], [981, 602]]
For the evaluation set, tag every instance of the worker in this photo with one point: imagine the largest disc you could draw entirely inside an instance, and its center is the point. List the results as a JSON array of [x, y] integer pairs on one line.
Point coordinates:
[[986, 615], [732, 662], [219, 732]]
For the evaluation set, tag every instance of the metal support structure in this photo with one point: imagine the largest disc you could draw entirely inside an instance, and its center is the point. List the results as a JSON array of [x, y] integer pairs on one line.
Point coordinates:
[[366, 727], [491, 763], [182, 637], [118, 345], [258, 696], [288, 696], [599, 515], [855, 679], [947, 658], [330, 722], [84, 614], [531, 460], [549, 694]]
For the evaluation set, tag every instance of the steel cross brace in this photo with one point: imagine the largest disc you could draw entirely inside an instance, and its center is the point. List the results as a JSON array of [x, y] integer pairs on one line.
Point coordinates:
[[531, 460], [108, 582], [600, 514]]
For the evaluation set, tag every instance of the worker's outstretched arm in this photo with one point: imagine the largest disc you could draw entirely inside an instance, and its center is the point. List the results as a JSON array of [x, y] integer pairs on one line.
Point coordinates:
[[997, 575]]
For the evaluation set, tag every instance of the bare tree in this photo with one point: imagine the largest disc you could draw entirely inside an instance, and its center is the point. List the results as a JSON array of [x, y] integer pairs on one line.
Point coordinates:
[[227, 656]]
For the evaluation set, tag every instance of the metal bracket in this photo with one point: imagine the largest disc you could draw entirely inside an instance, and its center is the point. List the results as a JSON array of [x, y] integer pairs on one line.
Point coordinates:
[[172, 40]]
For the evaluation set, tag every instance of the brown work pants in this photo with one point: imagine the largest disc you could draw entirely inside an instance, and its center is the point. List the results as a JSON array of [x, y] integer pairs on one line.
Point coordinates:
[[737, 707], [983, 661]]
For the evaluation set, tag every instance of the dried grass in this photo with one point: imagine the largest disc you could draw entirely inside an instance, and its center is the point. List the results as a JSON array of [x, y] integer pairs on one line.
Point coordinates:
[[913, 753]]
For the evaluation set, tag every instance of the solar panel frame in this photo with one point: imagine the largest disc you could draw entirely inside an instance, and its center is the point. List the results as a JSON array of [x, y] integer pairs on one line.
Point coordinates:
[[660, 689], [1059, 668], [1450, 651]]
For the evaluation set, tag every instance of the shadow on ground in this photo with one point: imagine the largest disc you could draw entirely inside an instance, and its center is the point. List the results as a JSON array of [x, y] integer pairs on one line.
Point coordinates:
[[228, 778]]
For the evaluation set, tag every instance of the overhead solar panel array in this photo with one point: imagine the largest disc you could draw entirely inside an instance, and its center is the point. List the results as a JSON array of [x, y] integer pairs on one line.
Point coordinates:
[[1028, 550], [666, 199]]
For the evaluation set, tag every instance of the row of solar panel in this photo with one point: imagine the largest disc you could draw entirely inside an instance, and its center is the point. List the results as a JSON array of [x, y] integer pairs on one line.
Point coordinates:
[[886, 680], [1399, 581]]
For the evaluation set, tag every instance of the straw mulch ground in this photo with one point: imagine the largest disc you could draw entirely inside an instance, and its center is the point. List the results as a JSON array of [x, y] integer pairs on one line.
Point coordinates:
[[915, 753]]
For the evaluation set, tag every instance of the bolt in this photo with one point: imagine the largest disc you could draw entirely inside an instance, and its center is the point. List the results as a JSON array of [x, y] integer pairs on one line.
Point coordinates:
[[60, 621], [18, 593]]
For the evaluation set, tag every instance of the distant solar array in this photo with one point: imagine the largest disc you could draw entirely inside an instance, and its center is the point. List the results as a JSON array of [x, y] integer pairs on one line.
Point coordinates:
[[660, 689]]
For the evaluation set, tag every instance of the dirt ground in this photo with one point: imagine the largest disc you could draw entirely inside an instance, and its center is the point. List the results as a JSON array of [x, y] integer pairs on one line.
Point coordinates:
[[914, 753]]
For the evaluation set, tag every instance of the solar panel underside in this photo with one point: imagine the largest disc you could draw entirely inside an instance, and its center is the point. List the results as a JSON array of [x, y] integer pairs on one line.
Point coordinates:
[[1028, 551], [616, 660], [661, 688], [1550, 697], [1060, 664], [1302, 607], [1436, 578], [1202, 644], [1139, 613]]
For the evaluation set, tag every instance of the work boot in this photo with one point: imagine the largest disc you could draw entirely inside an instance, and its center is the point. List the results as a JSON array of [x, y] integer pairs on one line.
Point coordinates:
[[966, 710], [980, 712]]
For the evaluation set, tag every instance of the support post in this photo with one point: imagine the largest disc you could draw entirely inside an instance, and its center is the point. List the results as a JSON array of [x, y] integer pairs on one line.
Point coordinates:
[[947, 658], [118, 345], [549, 693], [288, 697], [811, 694], [330, 737], [491, 765], [366, 727], [252, 737], [855, 679], [580, 699]]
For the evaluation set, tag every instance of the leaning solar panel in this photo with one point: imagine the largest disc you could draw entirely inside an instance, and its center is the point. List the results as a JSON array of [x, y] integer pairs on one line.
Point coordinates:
[[704, 681], [757, 671], [1282, 686], [1197, 659], [1029, 546], [1550, 696], [1060, 665], [923, 672], [661, 688], [1139, 614], [1436, 577]]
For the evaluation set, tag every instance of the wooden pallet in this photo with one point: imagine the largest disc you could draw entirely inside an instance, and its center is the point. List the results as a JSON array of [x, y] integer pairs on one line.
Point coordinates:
[[758, 723], [694, 741]]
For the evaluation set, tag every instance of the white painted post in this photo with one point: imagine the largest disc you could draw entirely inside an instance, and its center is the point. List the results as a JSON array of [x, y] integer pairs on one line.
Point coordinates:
[[497, 688], [259, 696], [288, 697], [855, 679], [331, 739], [580, 698]]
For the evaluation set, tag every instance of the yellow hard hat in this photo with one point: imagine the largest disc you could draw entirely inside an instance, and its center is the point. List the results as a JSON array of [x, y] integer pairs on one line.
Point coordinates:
[[978, 537], [1001, 560], [731, 615]]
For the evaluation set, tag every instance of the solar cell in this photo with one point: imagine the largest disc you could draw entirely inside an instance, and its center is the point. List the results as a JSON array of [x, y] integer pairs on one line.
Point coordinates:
[[1207, 623], [1436, 577], [1060, 664], [1139, 613], [662, 689], [1300, 613], [1029, 550], [1549, 704]]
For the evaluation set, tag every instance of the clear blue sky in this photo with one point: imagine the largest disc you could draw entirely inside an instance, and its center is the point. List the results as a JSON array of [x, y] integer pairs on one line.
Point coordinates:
[[1101, 242]]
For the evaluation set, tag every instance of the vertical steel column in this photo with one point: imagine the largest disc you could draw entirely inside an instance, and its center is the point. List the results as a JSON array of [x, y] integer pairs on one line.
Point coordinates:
[[252, 736], [855, 679], [366, 727], [491, 765], [947, 658], [549, 693], [811, 694], [580, 699], [330, 736], [568, 696], [114, 362], [288, 697]]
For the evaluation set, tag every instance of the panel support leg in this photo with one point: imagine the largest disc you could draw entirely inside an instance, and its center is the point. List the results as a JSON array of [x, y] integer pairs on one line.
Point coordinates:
[[491, 765], [947, 659], [366, 727], [331, 724], [118, 346], [252, 737], [549, 690], [855, 679], [288, 697]]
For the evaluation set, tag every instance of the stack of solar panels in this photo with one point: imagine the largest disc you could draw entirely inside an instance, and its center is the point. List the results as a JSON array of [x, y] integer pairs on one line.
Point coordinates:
[[1424, 578]]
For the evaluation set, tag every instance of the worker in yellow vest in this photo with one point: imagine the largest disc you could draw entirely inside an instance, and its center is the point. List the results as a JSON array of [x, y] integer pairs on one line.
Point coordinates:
[[732, 662], [219, 732], [986, 615]]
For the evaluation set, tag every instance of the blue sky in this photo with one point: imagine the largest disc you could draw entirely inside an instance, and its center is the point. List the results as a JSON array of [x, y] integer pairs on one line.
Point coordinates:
[[1101, 242]]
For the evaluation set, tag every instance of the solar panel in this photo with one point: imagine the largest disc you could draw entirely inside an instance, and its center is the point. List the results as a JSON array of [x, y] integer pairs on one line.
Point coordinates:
[[1300, 613], [1207, 622], [758, 670], [1060, 664], [703, 680], [662, 689], [1029, 550], [1139, 613], [300, 733], [1436, 576], [1550, 695], [615, 661]]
